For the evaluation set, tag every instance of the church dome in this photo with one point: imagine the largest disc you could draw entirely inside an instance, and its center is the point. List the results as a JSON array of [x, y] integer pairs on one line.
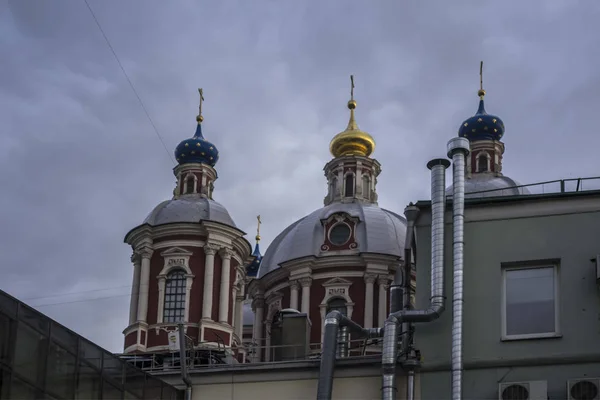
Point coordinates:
[[197, 149], [482, 126], [377, 231], [188, 208], [352, 141]]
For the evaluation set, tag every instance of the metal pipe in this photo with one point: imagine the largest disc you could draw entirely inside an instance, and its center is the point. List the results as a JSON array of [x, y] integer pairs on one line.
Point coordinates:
[[410, 385], [458, 149], [411, 212], [437, 299], [333, 321], [342, 345], [183, 363]]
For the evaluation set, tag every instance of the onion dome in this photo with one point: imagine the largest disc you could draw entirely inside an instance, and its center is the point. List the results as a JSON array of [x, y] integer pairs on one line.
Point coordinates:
[[352, 141], [482, 126], [197, 149], [252, 268]]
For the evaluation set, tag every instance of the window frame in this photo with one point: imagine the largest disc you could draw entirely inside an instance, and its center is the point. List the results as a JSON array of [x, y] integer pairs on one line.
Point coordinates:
[[182, 277], [528, 266]]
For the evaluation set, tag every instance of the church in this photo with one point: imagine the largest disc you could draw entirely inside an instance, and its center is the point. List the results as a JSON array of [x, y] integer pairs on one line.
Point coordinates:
[[263, 317], [487, 290]]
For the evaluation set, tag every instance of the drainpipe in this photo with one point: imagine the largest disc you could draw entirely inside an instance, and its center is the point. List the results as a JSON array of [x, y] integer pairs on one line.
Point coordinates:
[[411, 212], [458, 149], [183, 363], [333, 322], [390, 338]]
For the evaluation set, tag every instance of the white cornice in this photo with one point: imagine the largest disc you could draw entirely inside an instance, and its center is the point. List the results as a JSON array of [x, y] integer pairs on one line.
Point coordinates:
[[179, 243]]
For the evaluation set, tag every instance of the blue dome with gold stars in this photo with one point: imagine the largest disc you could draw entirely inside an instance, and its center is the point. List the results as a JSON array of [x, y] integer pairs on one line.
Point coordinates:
[[482, 126], [197, 149]]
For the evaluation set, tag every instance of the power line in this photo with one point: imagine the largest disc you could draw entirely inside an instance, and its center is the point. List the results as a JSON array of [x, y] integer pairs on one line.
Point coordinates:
[[72, 293], [129, 80]]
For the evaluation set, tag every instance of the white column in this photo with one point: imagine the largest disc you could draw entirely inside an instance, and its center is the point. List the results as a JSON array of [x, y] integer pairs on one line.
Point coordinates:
[[162, 282], [239, 316], [188, 291], [382, 314], [225, 292], [209, 274], [369, 280], [146, 253], [294, 295], [258, 305], [305, 282], [135, 288]]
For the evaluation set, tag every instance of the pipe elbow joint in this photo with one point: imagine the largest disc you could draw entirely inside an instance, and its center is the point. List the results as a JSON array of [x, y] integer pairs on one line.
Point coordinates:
[[333, 317], [458, 144]]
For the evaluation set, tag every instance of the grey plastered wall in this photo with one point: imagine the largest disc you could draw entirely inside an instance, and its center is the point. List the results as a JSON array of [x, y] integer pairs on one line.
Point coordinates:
[[573, 238]]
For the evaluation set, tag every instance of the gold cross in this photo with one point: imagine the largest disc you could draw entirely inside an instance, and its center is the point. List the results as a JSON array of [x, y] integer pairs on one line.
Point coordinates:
[[201, 100], [258, 227], [351, 87], [481, 76]]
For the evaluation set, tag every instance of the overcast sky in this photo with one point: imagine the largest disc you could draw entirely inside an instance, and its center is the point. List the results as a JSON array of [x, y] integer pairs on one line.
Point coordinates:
[[80, 164]]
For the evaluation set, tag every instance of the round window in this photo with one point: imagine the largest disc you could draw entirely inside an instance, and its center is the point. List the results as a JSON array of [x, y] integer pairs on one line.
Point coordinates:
[[339, 234]]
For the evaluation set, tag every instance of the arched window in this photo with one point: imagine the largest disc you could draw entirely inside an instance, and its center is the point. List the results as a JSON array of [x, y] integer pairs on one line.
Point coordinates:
[[175, 297], [366, 186], [190, 185], [349, 185], [482, 163], [337, 304]]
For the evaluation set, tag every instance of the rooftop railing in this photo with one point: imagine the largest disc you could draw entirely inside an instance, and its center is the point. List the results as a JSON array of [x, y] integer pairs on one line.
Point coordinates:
[[571, 185], [202, 358]]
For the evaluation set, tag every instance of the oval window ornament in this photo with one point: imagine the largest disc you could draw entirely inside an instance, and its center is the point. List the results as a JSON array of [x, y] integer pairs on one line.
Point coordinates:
[[339, 234]]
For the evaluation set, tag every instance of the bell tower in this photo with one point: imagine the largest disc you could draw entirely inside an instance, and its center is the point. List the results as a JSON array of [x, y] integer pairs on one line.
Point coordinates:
[[188, 260]]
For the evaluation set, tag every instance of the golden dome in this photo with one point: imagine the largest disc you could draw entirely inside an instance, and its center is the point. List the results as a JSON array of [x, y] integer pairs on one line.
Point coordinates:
[[353, 141]]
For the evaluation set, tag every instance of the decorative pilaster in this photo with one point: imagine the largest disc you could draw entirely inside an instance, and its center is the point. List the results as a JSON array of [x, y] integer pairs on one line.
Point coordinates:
[[294, 286], [162, 283], [369, 280], [135, 288], [383, 281], [145, 253], [306, 283], [209, 272], [239, 316], [258, 305], [225, 281]]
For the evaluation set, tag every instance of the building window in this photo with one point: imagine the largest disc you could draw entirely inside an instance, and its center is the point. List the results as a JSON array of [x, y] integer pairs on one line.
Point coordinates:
[[339, 234], [482, 163], [349, 192], [366, 186], [530, 308], [175, 287], [338, 305], [189, 189]]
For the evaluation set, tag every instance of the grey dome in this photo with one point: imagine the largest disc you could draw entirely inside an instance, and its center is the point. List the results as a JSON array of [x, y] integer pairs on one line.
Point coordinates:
[[378, 231], [248, 314], [488, 185], [188, 208]]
